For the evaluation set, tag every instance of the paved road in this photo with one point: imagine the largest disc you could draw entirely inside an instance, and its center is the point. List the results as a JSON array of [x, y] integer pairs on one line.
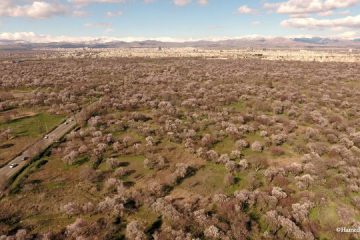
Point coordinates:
[[31, 152]]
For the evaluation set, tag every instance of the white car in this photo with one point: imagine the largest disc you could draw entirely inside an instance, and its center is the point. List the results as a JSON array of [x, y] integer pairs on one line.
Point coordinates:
[[13, 165], [46, 137]]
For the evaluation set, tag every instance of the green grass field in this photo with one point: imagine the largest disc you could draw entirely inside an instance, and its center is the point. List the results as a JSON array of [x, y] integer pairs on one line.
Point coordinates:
[[26, 131], [33, 126], [225, 146]]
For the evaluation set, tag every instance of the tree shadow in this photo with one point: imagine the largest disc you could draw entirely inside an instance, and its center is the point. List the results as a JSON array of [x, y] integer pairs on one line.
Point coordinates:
[[7, 145]]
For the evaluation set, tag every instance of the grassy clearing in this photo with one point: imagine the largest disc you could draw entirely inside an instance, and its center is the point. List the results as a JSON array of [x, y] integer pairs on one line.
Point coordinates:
[[242, 182], [136, 164], [16, 113], [208, 180], [22, 89], [16, 185], [26, 131], [327, 218], [21, 92], [238, 106], [133, 163], [326, 215], [130, 133], [225, 146], [33, 126], [48, 222], [81, 160], [248, 153], [53, 186], [145, 215], [254, 137]]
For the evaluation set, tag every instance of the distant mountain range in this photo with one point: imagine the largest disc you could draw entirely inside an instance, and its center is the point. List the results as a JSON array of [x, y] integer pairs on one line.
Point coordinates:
[[255, 42]]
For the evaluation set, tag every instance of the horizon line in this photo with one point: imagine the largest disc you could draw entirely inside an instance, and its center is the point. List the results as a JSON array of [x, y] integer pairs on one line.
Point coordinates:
[[32, 37]]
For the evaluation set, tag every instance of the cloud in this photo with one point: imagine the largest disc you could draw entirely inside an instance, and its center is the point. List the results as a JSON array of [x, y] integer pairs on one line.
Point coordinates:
[[36, 9], [114, 14], [79, 13], [245, 10], [302, 14], [313, 23], [203, 2], [86, 2], [107, 27], [327, 13], [186, 2], [181, 2], [349, 35], [309, 6], [98, 24], [42, 38]]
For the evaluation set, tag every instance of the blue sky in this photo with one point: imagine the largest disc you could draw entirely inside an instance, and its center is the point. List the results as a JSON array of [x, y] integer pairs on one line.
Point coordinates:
[[178, 19]]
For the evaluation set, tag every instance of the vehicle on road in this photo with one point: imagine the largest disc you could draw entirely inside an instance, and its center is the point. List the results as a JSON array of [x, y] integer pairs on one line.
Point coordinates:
[[24, 158], [46, 137], [13, 165]]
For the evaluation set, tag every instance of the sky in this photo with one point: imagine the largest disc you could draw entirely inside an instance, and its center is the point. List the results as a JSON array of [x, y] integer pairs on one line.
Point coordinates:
[[176, 20]]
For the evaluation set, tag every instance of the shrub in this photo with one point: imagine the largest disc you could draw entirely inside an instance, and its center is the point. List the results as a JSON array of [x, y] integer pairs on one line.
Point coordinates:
[[235, 154], [135, 231], [300, 212], [155, 162], [77, 229], [212, 155], [120, 172], [112, 163], [259, 163], [231, 166], [278, 139], [272, 172], [212, 232], [182, 170], [277, 151], [112, 183], [71, 209], [257, 146], [224, 158], [278, 193], [241, 144], [71, 157]]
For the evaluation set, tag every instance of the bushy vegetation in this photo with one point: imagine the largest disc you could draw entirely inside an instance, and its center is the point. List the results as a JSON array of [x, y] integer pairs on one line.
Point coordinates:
[[188, 149]]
